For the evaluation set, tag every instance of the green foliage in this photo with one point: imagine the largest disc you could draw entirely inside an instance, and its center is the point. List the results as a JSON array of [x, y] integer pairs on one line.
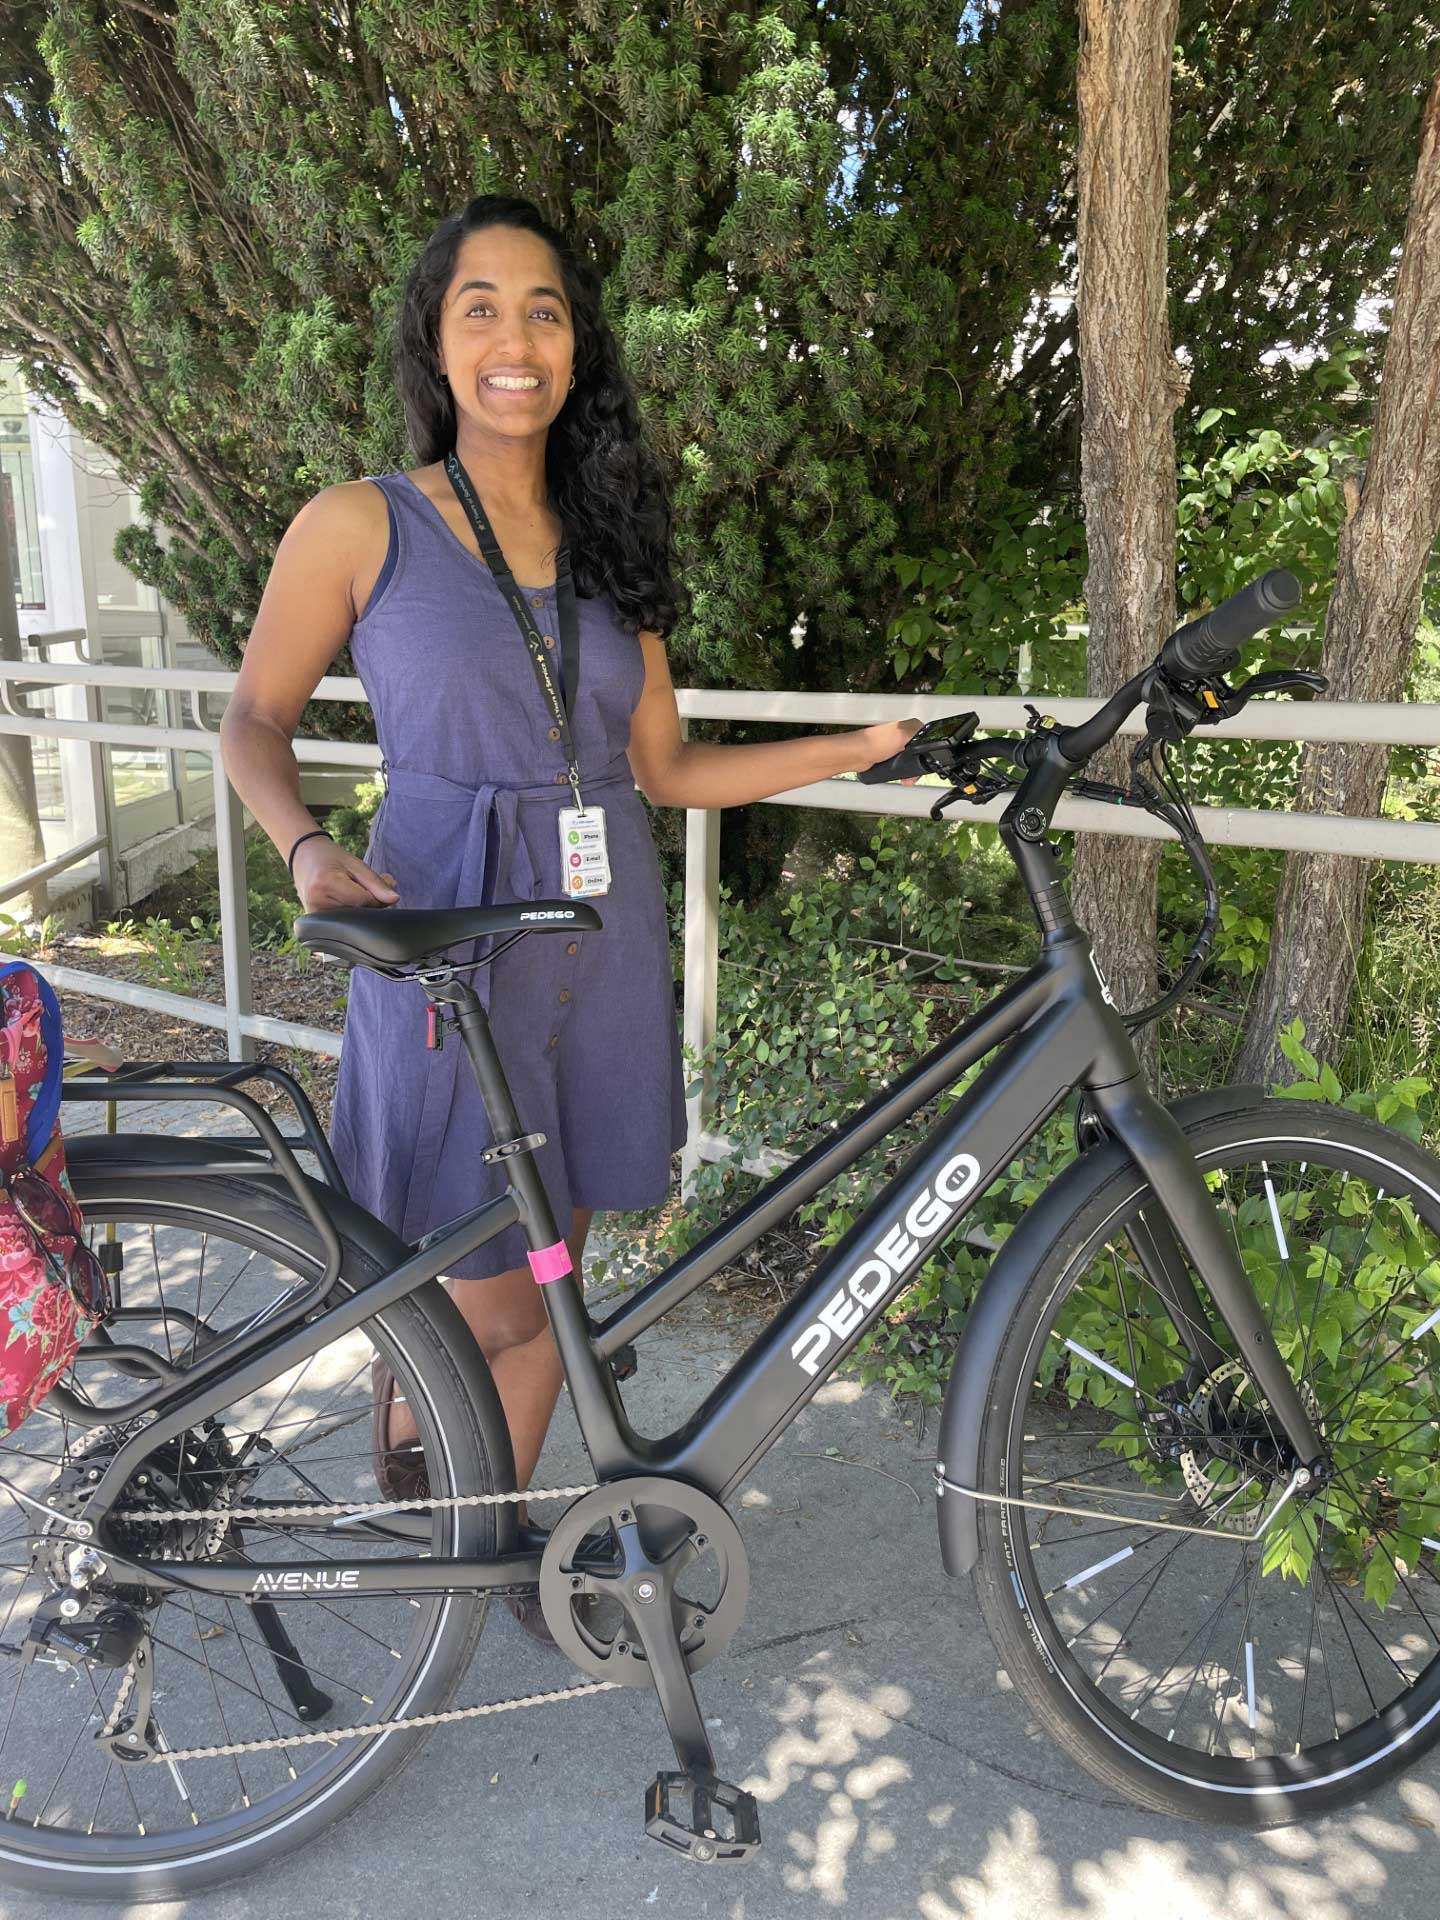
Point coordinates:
[[169, 955], [219, 209], [1252, 502], [1405, 1104], [1246, 503], [971, 614], [21, 938], [829, 241]]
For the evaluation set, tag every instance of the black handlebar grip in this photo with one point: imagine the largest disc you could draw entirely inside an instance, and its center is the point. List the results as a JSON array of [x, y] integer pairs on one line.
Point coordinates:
[[1205, 645]]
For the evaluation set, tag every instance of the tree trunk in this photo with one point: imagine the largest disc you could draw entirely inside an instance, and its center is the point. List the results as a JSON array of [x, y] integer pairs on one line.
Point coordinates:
[[1131, 384], [1370, 629]]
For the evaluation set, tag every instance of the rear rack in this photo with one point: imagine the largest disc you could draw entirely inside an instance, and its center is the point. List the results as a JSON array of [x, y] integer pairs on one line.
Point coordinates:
[[219, 1080]]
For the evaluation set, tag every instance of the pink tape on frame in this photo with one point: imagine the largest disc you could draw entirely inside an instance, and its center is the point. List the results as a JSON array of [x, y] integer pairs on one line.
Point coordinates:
[[549, 1262]]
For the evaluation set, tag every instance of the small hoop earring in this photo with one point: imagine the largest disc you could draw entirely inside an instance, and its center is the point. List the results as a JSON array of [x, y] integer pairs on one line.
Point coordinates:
[[572, 382]]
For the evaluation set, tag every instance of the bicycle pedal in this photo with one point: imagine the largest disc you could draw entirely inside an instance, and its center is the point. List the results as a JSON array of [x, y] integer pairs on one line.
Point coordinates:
[[723, 1821]]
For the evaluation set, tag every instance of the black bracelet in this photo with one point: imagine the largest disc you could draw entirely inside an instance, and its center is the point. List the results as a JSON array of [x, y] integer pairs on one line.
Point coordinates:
[[290, 861]]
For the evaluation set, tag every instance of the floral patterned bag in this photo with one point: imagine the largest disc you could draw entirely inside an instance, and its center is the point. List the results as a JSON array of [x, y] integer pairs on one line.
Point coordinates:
[[52, 1288]]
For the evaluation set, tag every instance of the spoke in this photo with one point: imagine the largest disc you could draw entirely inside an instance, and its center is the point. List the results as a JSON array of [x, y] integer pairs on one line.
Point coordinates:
[[1341, 1594], [199, 1301], [246, 1639], [55, 1783], [273, 1426], [95, 1810], [1252, 1564], [1319, 1290], [1399, 1571], [1314, 1586], [1207, 1626], [1145, 1600], [258, 1692], [124, 1778], [160, 1290], [219, 1706], [239, 1685], [250, 1256]]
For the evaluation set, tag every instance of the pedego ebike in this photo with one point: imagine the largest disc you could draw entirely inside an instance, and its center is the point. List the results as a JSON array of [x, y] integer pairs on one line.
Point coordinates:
[[1187, 1451]]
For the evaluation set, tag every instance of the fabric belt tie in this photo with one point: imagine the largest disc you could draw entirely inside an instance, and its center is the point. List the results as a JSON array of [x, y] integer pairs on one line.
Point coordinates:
[[491, 818]]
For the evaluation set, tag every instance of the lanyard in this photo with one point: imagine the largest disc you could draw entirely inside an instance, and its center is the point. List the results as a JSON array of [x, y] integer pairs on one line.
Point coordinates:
[[569, 617]]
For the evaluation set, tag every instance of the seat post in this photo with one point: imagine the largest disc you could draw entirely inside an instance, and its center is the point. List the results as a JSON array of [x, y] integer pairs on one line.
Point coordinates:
[[520, 1169]]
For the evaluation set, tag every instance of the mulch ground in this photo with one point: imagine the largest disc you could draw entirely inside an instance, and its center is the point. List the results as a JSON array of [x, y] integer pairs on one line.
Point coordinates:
[[283, 989]]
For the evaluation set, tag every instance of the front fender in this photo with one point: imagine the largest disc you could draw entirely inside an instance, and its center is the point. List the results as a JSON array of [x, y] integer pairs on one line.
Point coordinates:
[[996, 1304]]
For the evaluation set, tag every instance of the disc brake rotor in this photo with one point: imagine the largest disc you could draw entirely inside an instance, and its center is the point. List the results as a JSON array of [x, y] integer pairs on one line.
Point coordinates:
[[1241, 1432]]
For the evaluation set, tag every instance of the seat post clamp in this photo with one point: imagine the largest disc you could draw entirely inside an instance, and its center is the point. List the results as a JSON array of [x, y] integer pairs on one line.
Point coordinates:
[[503, 1149]]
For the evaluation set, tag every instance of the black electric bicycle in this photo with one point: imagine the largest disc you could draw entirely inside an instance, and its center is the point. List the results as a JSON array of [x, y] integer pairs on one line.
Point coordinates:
[[1187, 1449]]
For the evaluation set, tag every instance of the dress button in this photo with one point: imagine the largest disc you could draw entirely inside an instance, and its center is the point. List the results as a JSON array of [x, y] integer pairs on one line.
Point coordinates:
[[554, 733], [558, 778], [574, 947], [537, 599], [564, 993], [553, 1038], [548, 638]]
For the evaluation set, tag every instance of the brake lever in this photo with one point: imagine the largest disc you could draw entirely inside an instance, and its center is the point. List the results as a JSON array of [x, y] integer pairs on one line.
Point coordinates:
[[1172, 712], [1281, 680], [1222, 702]]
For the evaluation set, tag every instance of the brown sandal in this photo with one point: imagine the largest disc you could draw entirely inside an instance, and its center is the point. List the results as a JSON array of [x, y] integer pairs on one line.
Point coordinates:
[[531, 1615], [528, 1611], [400, 1471]]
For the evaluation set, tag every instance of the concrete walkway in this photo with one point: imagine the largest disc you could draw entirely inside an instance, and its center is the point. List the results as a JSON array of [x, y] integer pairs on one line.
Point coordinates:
[[897, 1774]]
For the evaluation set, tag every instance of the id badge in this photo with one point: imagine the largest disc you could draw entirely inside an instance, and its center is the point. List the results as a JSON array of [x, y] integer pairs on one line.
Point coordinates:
[[584, 857]]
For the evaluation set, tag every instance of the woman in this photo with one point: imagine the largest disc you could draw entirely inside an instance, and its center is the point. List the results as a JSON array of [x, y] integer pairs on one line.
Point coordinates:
[[504, 359]]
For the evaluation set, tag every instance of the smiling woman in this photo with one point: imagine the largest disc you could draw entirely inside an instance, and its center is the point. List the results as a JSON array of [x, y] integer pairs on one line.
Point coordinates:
[[507, 602]]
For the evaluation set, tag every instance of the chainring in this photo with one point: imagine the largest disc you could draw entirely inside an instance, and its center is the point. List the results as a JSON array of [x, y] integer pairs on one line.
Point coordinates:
[[588, 1603]]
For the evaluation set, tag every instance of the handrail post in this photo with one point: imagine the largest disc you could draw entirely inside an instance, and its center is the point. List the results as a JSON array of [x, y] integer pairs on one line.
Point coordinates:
[[234, 908]]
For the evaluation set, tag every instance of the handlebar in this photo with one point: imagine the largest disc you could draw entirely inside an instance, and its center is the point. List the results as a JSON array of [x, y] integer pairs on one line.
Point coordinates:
[[1206, 645], [1192, 654]]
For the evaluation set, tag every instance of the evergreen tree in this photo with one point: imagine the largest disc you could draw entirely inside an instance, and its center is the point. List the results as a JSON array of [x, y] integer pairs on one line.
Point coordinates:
[[826, 237]]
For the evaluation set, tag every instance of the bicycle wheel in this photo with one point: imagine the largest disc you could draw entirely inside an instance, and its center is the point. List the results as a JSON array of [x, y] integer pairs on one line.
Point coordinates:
[[199, 1255], [1248, 1681]]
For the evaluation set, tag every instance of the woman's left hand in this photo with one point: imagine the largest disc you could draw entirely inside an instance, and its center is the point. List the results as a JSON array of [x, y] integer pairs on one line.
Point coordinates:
[[886, 738]]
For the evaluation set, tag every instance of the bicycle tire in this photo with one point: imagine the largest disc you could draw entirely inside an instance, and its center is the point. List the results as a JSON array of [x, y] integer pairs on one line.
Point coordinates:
[[1046, 1675], [428, 1345]]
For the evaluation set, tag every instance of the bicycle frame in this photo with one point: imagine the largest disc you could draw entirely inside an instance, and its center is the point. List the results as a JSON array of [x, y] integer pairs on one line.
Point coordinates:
[[1055, 1030]]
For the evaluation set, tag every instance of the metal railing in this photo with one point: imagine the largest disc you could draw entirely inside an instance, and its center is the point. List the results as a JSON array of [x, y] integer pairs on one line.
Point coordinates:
[[1393, 725]]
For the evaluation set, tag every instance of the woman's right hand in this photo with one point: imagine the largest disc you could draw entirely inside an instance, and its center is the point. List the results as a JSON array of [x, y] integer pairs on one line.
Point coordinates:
[[327, 876]]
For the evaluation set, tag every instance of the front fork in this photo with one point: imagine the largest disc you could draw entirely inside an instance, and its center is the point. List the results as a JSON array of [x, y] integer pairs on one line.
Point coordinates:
[[1186, 1230]]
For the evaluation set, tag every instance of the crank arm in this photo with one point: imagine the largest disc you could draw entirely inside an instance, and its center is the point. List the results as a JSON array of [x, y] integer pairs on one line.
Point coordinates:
[[653, 1622]]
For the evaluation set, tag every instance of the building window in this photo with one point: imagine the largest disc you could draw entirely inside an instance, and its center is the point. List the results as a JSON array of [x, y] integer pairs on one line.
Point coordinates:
[[17, 490]]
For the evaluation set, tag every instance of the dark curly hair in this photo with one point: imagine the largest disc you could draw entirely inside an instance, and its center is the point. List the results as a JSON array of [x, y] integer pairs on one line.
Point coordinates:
[[604, 479]]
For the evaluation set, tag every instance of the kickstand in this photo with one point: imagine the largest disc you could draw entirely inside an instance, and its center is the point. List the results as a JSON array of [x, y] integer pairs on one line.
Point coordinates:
[[306, 1698]]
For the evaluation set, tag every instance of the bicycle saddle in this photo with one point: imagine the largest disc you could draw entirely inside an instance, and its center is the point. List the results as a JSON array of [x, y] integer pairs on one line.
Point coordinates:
[[394, 936]]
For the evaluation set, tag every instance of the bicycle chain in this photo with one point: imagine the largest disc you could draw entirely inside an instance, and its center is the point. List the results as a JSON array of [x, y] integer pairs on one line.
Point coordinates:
[[386, 1726], [354, 1508], [445, 1717]]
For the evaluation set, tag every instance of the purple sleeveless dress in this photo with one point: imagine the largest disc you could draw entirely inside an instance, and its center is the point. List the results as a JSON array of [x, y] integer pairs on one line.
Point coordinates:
[[584, 1022]]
